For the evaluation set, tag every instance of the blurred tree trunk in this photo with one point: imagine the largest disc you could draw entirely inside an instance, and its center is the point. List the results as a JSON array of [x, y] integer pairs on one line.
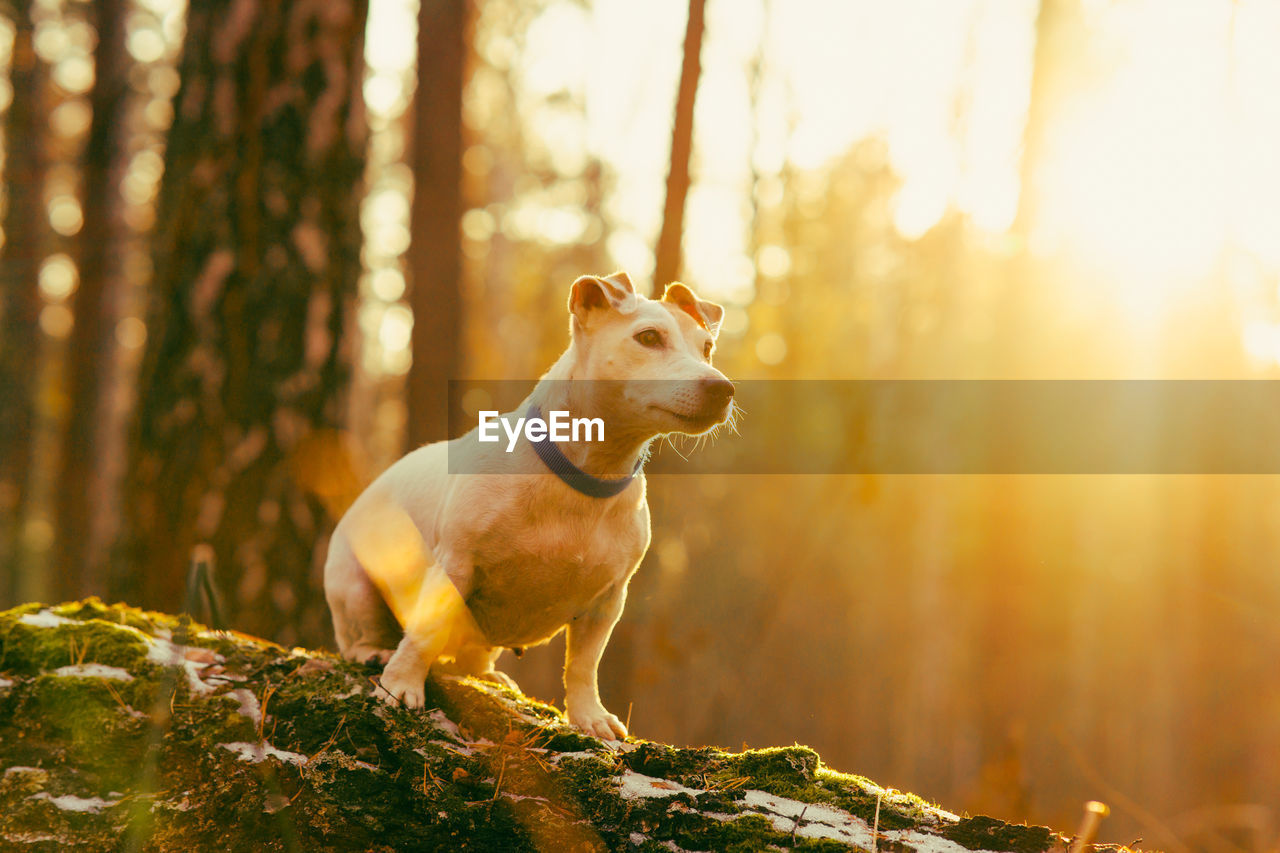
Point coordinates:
[[1046, 91], [247, 361], [435, 250], [25, 241], [618, 682], [1005, 621], [667, 258], [91, 352]]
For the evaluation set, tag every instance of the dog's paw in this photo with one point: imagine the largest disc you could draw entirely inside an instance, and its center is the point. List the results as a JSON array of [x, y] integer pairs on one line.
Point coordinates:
[[598, 722], [402, 691], [369, 655]]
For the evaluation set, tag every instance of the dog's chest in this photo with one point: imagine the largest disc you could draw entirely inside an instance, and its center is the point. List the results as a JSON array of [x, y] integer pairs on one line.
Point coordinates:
[[529, 580]]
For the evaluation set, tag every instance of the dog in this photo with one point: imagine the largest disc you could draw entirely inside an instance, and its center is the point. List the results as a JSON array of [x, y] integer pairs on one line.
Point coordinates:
[[428, 564]]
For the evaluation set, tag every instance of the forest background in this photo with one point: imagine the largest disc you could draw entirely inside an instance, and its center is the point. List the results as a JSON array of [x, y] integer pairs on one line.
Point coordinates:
[[246, 244]]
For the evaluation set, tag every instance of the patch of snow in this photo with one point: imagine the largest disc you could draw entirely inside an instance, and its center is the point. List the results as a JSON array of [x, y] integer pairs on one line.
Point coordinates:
[[941, 814], [72, 803], [29, 837], [93, 670], [166, 653], [924, 842], [160, 649], [557, 758], [815, 820], [182, 805], [440, 721], [638, 839], [462, 746], [633, 785], [44, 619], [20, 768], [227, 677], [356, 690], [811, 811], [259, 752], [809, 820], [249, 706]]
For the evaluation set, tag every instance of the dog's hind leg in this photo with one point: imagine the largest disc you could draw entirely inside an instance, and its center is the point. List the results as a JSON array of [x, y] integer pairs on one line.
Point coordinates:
[[372, 637], [478, 661], [363, 625]]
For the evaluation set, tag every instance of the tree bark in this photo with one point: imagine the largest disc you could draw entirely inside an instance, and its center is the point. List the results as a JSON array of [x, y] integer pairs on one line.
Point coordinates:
[[434, 256], [91, 353], [26, 234], [667, 258], [257, 255]]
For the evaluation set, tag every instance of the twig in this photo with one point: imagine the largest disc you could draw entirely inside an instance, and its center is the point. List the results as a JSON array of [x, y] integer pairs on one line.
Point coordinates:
[[115, 694], [796, 828], [267, 693], [502, 769], [875, 826], [1094, 812], [1154, 825]]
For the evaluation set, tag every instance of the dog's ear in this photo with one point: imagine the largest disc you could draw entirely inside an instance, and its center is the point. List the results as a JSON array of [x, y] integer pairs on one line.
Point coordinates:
[[706, 314], [591, 292]]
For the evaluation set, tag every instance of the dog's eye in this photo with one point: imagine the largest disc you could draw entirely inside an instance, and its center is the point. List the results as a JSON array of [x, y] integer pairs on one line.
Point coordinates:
[[649, 338], [706, 350]]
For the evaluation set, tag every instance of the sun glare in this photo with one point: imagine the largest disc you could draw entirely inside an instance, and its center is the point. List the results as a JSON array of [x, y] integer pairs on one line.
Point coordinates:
[[1135, 181], [1157, 160], [1157, 164]]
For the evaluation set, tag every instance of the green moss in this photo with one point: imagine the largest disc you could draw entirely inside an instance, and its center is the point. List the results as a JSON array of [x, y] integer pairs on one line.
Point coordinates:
[[337, 769], [987, 833], [27, 649]]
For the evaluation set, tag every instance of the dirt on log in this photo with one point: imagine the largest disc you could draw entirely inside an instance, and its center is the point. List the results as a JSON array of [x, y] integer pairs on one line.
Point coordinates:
[[125, 729]]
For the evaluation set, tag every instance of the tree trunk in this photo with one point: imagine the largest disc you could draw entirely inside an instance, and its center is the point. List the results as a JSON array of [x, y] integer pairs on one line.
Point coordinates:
[[667, 259], [434, 257], [1047, 91], [318, 763], [25, 241], [91, 352], [1005, 628], [257, 257]]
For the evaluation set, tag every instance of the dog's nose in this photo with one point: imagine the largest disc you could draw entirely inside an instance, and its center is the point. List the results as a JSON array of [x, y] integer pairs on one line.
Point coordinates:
[[717, 389]]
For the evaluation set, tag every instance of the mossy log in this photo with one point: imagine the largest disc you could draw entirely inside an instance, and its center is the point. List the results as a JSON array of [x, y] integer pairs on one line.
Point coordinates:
[[124, 729]]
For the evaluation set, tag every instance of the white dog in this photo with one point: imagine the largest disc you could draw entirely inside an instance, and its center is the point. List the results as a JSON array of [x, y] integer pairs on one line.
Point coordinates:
[[461, 565]]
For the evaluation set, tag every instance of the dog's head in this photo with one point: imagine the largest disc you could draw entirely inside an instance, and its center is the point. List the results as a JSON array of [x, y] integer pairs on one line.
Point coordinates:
[[652, 355]]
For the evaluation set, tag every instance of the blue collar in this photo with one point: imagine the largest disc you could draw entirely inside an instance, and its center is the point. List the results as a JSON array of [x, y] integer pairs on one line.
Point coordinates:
[[573, 476]]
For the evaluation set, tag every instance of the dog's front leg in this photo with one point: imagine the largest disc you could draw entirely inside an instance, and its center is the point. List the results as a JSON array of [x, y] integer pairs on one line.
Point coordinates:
[[434, 616], [588, 635]]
